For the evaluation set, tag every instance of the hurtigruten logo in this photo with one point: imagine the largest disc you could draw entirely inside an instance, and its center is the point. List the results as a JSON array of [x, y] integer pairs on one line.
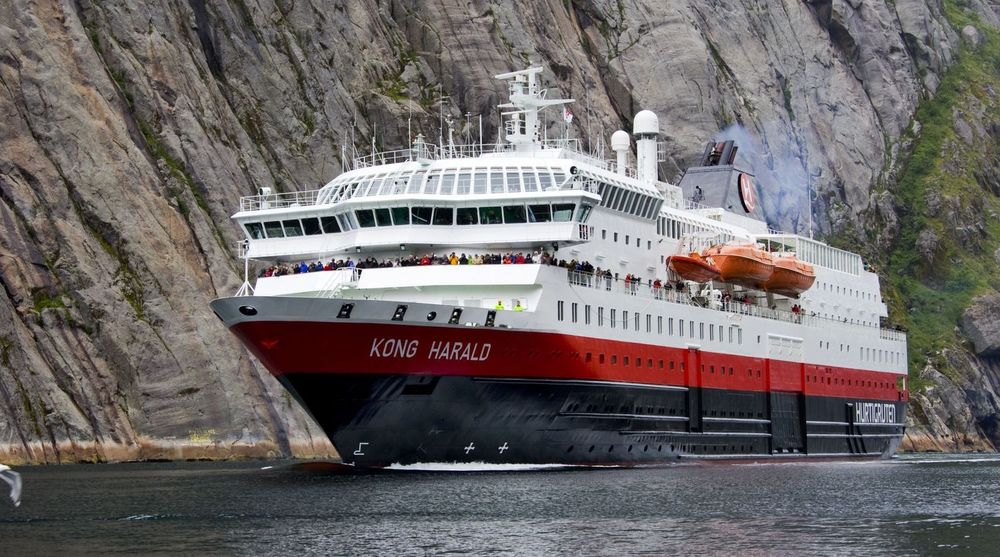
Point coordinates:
[[874, 413]]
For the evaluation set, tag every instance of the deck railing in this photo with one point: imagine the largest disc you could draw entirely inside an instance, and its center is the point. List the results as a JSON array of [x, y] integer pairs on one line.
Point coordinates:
[[278, 200], [753, 309]]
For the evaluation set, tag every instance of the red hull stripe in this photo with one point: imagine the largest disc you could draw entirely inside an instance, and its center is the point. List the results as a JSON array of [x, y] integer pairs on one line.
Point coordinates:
[[389, 348]]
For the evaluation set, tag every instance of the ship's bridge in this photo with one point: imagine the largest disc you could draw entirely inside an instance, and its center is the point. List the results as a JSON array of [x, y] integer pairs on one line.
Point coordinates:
[[483, 202]]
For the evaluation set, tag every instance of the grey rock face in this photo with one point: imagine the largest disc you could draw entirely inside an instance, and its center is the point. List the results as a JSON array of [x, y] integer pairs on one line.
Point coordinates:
[[981, 323], [129, 131]]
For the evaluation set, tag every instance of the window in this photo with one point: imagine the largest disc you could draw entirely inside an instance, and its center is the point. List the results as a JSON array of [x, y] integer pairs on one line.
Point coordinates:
[[600, 316], [513, 184], [514, 214], [681, 327], [273, 229], [400, 215], [490, 215], [573, 308], [447, 184], [382, 217], [624, 320], [616, 237], [311, 226], [444, 216], [255, 230], [628, 239], [530, 182], [586, 314], [539, 213], [659, 325], [604, 233], [479, 181], [468, 215], [562, 212], [432, 182], [559, 310], [670, 326], [583, 212], [366, 218], [544, 179], [465, 183], [612, 318], [421, 215], [496, 180]]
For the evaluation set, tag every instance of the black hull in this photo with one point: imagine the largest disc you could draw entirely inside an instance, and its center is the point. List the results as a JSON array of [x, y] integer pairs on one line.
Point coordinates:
[[381, 420]]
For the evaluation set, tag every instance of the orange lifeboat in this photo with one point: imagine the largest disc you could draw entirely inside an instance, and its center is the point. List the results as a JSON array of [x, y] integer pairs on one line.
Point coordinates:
[[745, 265], [791, 277], [693, 267]]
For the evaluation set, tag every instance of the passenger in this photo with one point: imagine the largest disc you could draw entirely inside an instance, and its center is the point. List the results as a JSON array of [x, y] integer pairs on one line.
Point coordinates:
[[453, 259], [303, 268], [425, 260], [520, 258], [499, 304], [463, 260]]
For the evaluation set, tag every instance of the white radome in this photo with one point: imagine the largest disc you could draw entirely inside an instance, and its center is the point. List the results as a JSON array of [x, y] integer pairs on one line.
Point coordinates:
[[646, 122], [620, 141]]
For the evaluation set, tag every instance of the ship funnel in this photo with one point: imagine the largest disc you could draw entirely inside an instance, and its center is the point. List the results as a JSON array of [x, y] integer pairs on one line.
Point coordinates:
[[646, 129], [620, 144]]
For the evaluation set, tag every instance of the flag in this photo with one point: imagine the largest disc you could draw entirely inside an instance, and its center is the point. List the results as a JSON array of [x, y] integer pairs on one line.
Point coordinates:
[[567, 116]]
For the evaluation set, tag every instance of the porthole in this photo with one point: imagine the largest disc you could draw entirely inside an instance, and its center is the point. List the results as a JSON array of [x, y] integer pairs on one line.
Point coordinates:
[[248, 310], [432, 315]]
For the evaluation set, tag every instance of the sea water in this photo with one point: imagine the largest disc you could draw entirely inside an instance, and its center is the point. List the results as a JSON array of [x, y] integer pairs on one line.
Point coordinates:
[[912, 505]]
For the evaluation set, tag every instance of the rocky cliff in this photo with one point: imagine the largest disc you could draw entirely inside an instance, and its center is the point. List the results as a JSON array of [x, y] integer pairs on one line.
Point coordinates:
[[128, 131]]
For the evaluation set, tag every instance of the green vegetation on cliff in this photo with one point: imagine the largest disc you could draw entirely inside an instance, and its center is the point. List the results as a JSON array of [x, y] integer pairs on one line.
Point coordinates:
[[949, 230]]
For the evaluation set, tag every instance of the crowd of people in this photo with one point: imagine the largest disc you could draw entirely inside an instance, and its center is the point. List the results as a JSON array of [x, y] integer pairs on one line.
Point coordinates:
[[509, 258]]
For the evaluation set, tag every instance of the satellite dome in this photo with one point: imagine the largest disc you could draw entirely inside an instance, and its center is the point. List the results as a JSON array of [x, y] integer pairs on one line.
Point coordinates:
[[620, 140], [646, 122]]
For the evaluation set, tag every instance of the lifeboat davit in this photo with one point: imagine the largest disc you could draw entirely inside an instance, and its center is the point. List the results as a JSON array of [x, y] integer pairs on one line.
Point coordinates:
[[745, 265], [791, 277], [693, 267]]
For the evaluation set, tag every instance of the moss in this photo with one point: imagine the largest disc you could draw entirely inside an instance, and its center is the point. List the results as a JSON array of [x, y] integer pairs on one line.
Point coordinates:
[[43, 300], [6, 344], [928, 297]]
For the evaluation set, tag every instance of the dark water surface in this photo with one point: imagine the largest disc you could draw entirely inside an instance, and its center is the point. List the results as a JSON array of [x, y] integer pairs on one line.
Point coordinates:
[[944, 505]]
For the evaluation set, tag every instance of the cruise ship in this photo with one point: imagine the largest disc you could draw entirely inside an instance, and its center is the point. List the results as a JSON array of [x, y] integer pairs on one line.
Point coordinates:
[[530, 303]]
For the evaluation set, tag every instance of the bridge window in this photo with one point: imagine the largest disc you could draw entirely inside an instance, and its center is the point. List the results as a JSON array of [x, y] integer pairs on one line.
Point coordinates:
[[400, 215], [562, 212], [382, 217], [366, 219], [444, 216], [514, 214], [447, 184], [433, 179], [468, 215], [496, 182], [544, 179], [421, 215], [273, 229], [496, 179], [539, 213], [311, 226], [330, 225], [530, 181], [583, 212], [464, 183], [479, 180], [513, 184], [255, 230], [490, 215]]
